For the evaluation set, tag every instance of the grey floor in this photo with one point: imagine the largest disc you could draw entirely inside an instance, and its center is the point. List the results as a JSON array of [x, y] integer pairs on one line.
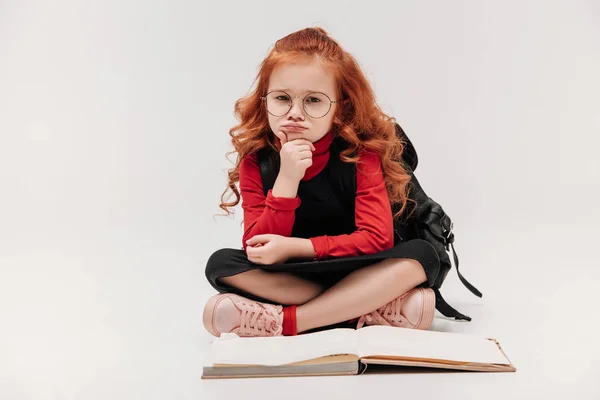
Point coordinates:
[[98, 323]]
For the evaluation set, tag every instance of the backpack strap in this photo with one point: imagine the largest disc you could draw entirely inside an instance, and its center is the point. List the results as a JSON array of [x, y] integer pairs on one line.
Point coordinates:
[[440, 304], [469, 286], [446, 309], [268, 163]]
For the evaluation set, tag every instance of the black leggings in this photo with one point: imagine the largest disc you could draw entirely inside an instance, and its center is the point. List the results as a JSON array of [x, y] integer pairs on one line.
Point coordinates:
[[229, 262]]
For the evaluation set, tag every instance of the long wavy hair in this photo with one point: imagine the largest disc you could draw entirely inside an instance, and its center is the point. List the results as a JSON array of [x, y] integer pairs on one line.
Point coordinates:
[[358, 119]]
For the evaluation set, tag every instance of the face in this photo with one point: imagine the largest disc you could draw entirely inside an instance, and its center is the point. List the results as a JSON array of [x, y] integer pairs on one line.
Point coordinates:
[[298, 80]]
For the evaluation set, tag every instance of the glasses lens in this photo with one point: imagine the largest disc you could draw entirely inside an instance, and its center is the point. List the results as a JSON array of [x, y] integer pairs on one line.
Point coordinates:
[[278, 103], [317, 104]]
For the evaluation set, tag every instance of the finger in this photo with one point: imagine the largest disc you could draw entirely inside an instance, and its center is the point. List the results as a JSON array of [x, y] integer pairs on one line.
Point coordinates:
[[304, 142], [306, 163], [254, 259], [258, 261], [303, 147], [282, 137], [305, 154], [257, 239], [312, 146], [253, 252]]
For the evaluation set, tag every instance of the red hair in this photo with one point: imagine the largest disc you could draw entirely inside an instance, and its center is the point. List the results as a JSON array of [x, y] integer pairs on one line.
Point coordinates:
[[358, 118]]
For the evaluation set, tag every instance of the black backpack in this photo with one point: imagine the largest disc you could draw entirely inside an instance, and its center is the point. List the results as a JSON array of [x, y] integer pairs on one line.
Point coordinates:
[[429, 222]]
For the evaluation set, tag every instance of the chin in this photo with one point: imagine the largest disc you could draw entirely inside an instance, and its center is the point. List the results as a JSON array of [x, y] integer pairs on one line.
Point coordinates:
[[296, 135]]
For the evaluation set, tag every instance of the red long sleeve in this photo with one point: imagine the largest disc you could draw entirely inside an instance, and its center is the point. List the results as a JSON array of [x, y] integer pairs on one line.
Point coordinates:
[[263, 214], [373, 214]]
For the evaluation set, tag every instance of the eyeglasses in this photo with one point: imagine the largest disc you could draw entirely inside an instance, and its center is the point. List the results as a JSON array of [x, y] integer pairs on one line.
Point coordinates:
[[315, 104]]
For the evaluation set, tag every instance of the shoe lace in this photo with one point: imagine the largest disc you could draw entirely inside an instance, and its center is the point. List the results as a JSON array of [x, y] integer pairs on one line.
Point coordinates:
[[258, 321], [386, 315]]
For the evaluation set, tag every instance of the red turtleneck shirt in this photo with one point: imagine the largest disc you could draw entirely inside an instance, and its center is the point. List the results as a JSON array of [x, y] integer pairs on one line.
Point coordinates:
[[275, 215]]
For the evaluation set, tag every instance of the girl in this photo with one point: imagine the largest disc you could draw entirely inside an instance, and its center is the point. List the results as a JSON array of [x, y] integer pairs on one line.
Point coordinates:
[[314, 254]]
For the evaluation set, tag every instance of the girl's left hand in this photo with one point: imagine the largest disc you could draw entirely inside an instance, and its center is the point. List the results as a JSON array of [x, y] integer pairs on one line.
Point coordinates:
[[268, 249]]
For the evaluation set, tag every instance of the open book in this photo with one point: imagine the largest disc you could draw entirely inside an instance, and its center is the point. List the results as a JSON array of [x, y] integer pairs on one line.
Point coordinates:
[[349, 351]]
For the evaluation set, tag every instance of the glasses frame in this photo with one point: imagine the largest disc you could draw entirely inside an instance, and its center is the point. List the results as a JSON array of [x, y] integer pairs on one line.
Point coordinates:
[[291, 101]]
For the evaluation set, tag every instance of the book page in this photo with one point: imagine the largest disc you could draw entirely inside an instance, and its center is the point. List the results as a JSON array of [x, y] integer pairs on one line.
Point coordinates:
[[403, 342], [231, 349]]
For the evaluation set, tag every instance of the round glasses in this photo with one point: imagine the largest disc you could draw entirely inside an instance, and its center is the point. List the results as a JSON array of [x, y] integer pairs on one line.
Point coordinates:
[[315, 104]]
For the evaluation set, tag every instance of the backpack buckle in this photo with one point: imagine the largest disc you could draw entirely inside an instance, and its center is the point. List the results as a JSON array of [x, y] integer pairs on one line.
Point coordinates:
[[449, 236]]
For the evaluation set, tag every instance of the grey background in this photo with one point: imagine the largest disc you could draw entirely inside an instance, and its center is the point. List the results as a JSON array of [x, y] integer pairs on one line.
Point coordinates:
[[114, 121]]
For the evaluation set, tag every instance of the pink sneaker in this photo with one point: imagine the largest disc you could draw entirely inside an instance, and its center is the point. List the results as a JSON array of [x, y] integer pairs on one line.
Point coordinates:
[[226, 313], [414, 310]]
